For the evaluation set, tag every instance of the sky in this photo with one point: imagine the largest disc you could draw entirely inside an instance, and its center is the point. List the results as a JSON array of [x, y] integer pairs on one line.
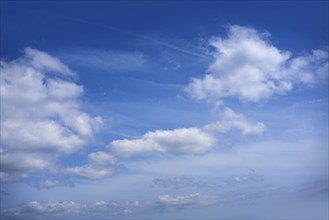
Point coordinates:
[[164, 110]]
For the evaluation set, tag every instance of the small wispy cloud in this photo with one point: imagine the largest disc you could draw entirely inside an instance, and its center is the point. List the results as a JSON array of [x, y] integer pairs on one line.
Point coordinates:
[[183, 181], [106, 59]]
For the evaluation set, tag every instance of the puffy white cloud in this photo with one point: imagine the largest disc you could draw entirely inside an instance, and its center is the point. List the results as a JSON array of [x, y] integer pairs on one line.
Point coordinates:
[[180, 141], [41, 117], [246, 65], [231, 120]]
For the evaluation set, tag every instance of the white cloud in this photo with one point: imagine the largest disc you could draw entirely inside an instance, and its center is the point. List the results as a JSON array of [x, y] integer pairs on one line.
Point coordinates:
[[100, 165], [181, 141], [41, 117], [231, 120], [249, 67], [186, 140], [45, 62], [90, 172], [101, 158]]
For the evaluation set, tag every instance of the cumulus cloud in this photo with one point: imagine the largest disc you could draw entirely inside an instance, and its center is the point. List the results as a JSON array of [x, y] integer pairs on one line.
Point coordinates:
[[231, 120], [247, 66], [180, 141], [41, 116]]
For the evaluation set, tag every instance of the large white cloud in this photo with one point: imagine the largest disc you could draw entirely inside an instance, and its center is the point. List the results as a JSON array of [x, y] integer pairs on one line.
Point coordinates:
[[179, 141], [247, 66], [41, 115]]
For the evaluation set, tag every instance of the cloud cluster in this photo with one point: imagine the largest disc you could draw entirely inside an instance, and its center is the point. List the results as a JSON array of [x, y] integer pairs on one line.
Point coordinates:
[[37, 209], [41, 115], [247, 66], [163, 204], [102, 209]]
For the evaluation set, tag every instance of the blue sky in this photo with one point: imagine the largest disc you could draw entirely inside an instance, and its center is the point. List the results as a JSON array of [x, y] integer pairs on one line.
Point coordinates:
[[170, 109]]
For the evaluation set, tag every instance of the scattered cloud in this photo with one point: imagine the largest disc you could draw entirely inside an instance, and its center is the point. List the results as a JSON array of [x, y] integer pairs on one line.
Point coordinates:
[[71, 209], [182, 181], [244, 178], [231, 120], [178, 141], [164, 203], [247, 66], [36, 209], [51, 183], [41, 115]]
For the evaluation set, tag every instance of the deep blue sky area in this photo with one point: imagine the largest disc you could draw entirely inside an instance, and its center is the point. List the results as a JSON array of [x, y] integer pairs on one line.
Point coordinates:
[[99, 24], [164, 109]]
